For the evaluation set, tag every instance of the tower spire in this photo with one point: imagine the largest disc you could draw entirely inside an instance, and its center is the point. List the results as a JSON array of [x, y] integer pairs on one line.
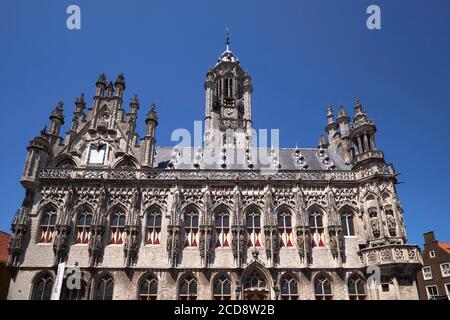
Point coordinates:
[[227, 41]]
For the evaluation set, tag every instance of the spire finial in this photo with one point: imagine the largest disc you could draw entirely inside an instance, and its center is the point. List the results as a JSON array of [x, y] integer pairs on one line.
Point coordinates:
[[227, 42]]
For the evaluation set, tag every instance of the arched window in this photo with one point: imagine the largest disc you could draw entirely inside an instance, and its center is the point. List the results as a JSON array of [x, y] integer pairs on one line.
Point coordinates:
[[83, 227], [222, 288], [188, 288], [316, 228], [42, 289], [148, 289], [104, 289], [191, 229], [289, 288], [322, 288], [285, 229], [74, 293], [253, 222], [347, 224], [222, 224], [356, 288], [255, 281], [117, 227], [48, 226], [154, 227]]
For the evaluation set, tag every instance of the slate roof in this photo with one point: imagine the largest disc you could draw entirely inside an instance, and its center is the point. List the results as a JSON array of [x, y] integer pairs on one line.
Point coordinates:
[[329, 160]]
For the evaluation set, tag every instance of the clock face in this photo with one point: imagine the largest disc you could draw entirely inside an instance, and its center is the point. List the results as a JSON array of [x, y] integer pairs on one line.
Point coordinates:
[[229, 112]]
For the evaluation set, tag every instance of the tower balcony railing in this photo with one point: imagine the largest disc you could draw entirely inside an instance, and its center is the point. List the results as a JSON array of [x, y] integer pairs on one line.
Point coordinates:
[[390, 254], [371, 154], [230, 123]]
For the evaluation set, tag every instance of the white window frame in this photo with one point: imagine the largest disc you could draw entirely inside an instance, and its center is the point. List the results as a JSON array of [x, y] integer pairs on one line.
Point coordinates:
[[427, 277], [105, 156], [432, 254], [437, 291], [442, 270], [447, 289]]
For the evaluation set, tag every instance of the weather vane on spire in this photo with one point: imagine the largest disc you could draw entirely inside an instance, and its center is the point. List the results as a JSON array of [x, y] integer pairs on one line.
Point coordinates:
[[228, 38]]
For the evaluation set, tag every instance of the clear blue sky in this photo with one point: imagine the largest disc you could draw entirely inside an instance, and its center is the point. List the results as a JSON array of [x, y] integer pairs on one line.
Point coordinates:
[[302, 55]]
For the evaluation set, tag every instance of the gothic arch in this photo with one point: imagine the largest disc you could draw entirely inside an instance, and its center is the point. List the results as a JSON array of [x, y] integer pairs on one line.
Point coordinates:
[[103, 276], [319, 278], [356, 286], [256, 269], [80, 208], [190, 206], [223, 206], [348, 210], [61, 160], [127, 160], [288, 209], [291, 294], [152, 227], [42, 212], [183, 277], [144, 278], [37, 277], [216, 277]]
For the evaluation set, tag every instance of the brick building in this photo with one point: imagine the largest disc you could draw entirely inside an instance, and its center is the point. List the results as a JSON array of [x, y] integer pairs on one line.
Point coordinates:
[[4, 274], [434, 278], [225, 220]]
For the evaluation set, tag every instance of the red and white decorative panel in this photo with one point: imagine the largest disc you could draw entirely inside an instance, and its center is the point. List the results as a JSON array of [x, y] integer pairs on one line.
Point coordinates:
[[153, 235], [117, 235], [223, 237], [318, 237], [254, 237], [191, 237], [286, 237], [48, 227], [83, 235], [47, 234]]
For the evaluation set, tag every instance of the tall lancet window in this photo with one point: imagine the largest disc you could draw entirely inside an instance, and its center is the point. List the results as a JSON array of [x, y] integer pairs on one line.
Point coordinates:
[[48, 226], [253, 229], [117, 227], [222, 224], [154, 227], [285, 229], [317, 230], [83, 227], [347, 224], [191, 229]]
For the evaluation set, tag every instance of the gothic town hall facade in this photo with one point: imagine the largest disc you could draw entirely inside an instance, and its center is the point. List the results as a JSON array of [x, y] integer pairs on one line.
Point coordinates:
[[223, 221]]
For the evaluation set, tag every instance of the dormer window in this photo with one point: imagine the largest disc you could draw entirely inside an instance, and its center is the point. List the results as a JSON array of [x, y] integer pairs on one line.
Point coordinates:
[[97, 154]]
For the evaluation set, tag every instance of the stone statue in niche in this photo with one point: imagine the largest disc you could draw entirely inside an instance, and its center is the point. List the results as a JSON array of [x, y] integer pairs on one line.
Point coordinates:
[[301, 243], [169, 241], [374, 224], [391, 223]]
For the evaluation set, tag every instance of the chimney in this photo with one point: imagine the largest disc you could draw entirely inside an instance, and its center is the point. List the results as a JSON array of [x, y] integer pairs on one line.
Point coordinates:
[[429, 237]]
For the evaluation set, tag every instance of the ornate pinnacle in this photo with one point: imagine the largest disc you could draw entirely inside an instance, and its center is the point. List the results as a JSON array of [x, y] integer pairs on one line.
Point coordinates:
[[101, 79], [152, 114], [358, 106], [120, 80], [341, 113], [330, 115], [58, 112]]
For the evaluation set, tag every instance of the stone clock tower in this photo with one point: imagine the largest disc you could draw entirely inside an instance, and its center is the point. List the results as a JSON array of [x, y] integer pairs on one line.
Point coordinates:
[[228, 113]]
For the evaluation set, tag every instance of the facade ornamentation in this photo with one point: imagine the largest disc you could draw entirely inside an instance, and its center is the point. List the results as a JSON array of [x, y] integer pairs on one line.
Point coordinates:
[[110, 200]]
